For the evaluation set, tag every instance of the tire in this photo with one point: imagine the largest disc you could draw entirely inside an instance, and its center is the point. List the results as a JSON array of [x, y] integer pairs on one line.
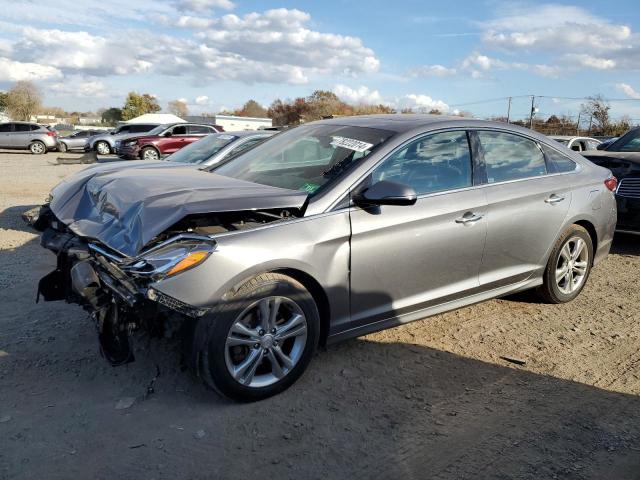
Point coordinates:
[[559, 287], [217, 334], [37, 147], [62, 147], [149, 153], [103, 148]]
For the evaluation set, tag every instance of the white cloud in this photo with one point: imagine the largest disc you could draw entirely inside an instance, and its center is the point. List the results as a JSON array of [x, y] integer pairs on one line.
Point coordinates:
[[275, 46], [78, 88], [204, 5], [590, 61], [360, 95], [421, 103], [13, 71], [628, 90], [202, 100], [433, 71]]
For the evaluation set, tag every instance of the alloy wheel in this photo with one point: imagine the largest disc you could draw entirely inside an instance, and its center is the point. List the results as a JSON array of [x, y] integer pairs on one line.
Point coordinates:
[[103, 148], [266, 341], [572, 266], [37, 148], [150, 154]]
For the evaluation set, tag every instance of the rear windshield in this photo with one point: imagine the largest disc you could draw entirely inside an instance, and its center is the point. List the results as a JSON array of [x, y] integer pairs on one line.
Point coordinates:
[[305, 158], [198, 152]]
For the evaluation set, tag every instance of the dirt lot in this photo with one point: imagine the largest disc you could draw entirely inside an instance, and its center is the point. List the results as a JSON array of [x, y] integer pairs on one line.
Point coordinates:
[[431, 399]]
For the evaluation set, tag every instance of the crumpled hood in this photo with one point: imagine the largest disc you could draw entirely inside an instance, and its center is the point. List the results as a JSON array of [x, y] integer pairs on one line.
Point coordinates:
[[127, 208]]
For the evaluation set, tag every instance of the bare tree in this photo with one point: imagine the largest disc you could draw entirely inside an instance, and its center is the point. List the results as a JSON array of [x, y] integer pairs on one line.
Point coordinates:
[[178, 108], [596, 108], [23, 101]]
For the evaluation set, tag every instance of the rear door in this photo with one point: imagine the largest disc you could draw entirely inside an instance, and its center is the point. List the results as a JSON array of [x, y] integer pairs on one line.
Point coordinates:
[[527, 206], [407, 258], [5, 134]]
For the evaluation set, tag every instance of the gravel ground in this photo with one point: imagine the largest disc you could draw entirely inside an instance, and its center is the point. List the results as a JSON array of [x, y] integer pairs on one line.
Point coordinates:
[[432, 399]]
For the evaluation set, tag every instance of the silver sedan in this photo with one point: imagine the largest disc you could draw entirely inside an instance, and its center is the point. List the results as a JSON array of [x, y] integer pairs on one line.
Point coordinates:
[[327, 231]]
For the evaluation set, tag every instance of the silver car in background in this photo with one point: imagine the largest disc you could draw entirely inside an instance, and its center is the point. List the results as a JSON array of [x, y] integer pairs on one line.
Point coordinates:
[[105, 144], [216, 147], [77, 140], [330, 230], [38, 139]]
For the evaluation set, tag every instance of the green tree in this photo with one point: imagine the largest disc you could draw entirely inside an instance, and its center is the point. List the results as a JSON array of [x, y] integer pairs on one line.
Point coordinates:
[[136, 105], [23, 101], [178, 108], [112, 115]]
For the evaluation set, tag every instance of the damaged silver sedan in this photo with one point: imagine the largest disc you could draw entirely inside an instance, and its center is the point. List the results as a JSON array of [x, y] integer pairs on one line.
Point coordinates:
[[327, 231]]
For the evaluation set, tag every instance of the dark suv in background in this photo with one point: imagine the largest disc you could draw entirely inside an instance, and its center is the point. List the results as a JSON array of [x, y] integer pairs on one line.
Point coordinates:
[[163, 140], [36, 138]]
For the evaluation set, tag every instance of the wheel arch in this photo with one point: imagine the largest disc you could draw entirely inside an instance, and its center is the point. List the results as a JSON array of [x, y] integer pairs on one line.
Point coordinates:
[[319, 296], [146, 146], [591, 229]]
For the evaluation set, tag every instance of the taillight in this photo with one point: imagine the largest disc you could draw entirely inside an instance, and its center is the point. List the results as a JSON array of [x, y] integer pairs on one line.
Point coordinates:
[[611, 183], [52, 134]]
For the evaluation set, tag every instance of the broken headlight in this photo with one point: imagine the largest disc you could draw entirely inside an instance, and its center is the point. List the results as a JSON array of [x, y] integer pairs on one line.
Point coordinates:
[[169, 259]]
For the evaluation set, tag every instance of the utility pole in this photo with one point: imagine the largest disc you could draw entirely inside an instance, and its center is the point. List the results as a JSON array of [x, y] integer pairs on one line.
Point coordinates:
[[509, 111], [533, 107], [578, 124], [590, 125]]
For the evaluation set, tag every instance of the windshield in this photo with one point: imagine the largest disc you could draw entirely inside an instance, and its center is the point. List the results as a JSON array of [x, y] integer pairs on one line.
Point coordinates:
[[202, 150], [629, 142], [305, 158]]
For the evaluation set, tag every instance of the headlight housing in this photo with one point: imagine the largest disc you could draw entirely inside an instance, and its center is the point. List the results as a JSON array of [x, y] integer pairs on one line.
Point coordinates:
[[170, 259]]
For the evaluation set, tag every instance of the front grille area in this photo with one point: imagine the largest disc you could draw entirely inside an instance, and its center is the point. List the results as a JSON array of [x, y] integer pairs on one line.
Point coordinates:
[[629, 188]]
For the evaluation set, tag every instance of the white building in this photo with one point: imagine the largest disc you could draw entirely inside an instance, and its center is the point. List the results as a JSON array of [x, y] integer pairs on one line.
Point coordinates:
[[160, 118], [232, 123]]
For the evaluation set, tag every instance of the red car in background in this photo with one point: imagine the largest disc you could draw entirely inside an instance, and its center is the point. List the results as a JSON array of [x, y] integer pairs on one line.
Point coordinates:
[[163, 140]]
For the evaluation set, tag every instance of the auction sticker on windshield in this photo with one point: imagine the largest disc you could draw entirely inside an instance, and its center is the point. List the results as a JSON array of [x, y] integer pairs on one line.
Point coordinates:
[[225, 137], [351, 144]]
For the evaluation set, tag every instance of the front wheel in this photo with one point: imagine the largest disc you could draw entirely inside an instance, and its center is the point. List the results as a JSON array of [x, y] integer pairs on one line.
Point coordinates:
[[261, 339], [103, 148], [149, 153], [62, 147], [569, 266], [37, 148]]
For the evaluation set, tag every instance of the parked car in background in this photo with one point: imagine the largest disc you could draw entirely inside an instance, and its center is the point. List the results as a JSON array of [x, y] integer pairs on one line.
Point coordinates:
[[162, 140], [105, 144], [622, 157], [577, 144], [214, 148], [77, 140], [329, 230], [38, 139], [605, 143]]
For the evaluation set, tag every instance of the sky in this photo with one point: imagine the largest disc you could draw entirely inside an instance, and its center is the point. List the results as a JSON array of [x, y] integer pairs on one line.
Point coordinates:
[[216, 54]]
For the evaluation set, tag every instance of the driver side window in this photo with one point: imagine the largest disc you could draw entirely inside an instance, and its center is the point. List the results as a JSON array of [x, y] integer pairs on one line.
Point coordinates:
[[434, 163], [179, 130]]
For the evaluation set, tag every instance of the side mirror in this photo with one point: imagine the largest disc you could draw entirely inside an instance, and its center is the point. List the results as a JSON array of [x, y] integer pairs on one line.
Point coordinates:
[[112, 132], [385, 192], [167, 133]]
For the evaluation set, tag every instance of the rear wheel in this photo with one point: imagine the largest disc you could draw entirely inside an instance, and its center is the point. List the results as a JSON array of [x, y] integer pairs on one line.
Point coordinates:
[[37, 147], [103, 148], [261, 339], [569, 266]]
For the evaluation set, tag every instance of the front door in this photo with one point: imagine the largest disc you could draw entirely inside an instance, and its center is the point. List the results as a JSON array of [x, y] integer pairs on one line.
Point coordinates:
[[406, 258], [5, 134]]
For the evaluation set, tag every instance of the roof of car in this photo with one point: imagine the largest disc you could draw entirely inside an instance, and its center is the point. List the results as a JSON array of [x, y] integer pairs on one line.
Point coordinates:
[[570, 137], [248, 133], [398, 122]]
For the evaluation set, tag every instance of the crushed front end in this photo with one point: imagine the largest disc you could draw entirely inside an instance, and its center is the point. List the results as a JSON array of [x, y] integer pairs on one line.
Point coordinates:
[[116, 289]]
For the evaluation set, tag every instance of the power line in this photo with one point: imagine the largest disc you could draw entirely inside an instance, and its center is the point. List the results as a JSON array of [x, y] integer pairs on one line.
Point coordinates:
[[502, 99]]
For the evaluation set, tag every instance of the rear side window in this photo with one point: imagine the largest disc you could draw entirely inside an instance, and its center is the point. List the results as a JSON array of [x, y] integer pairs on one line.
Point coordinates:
[[23, 127], [437, 162], [35, 127], [510, 157], [200, 130], [557, 162]]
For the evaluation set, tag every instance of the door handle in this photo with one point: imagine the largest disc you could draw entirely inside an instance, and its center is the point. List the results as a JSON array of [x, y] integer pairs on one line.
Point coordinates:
[[553, 199], [469, 218]]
